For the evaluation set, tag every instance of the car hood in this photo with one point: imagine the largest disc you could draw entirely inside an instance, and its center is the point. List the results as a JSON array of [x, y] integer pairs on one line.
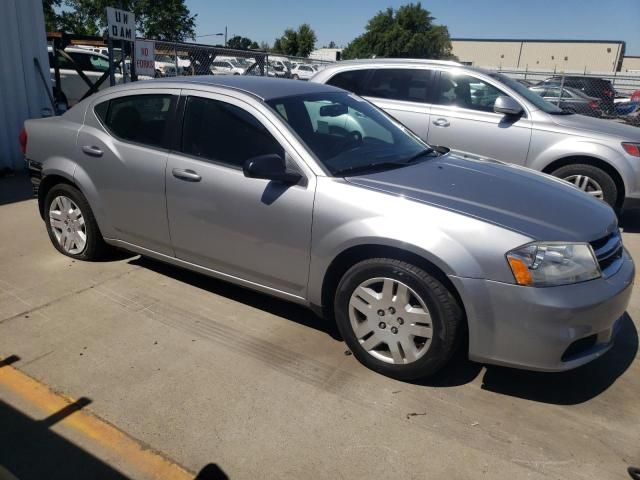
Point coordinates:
[[536, 205], [597, 125]]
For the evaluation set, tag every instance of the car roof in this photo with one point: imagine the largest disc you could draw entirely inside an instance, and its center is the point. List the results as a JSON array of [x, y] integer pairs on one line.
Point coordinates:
[[381, 61], [265, 88]]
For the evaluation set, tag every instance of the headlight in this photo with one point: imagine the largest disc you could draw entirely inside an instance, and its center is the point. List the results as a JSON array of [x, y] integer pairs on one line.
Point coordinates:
[[543, 264]]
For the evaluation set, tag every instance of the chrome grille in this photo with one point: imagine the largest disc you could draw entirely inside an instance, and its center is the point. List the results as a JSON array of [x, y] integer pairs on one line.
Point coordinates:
[[608, 251]]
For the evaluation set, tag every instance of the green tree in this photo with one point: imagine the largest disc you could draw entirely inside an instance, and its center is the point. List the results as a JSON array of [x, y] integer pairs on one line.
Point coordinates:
[[408, 32], [51, 18], [299, 42], [241, 42], [157, 19]]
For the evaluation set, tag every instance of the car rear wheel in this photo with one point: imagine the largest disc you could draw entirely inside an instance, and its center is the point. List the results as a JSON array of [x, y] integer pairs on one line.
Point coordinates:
[[71, 225], [590, 179], [396, 318]]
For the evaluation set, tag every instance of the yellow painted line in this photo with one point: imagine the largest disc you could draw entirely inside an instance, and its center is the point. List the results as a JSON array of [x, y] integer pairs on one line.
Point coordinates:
[[107, 437]]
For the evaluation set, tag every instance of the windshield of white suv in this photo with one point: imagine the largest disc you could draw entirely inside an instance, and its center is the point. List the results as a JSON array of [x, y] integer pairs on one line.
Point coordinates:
[[533, 97], [349, 135]]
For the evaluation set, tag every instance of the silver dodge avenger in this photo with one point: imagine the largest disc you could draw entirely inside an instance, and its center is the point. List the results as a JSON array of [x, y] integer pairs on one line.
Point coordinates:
[[310, 193]]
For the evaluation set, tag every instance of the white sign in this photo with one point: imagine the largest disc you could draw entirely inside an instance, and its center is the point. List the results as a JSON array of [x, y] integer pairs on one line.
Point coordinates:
[[145, 57], [121, 24]]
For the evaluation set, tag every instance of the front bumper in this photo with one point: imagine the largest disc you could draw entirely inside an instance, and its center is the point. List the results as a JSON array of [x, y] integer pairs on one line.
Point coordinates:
[[547, 329]]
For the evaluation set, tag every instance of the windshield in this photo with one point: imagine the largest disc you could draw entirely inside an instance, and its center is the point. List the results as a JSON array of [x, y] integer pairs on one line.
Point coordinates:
[[165, 58], [533, 97], [348, 135]]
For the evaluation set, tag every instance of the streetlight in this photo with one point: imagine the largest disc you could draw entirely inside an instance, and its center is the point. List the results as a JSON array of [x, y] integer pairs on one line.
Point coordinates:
[[216, 35]]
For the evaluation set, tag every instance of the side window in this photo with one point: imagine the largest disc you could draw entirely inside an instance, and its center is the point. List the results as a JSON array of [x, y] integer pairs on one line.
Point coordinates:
[[409, 84], [137, 118], [98, 64], [224, 133], [101, 111], [352, 80], [466, 92], [82, 60], [62, 62]]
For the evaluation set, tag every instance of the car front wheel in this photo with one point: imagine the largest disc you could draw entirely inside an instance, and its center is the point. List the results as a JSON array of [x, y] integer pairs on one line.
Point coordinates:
[[396, 318]]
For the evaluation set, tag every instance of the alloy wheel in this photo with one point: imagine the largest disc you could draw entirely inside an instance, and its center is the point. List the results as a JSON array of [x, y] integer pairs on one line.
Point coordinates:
[[586, 184], [68, 225], [390, 320]]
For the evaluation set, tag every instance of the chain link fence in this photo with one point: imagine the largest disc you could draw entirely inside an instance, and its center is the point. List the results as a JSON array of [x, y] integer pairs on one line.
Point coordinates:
[[176, 59], [614, 96]]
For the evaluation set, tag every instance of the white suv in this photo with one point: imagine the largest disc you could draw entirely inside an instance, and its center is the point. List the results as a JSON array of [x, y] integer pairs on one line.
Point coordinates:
[[302, 72], [92, 64]]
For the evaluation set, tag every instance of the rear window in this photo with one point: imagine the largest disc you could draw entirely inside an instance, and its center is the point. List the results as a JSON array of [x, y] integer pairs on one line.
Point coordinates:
[[137, 118], [351, 80], [408, 84]]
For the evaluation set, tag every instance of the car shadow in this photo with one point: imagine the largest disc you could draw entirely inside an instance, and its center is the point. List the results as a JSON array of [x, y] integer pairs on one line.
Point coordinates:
[[630, 221], [15, 188], [572, 387], [564, 388], [267, 303]]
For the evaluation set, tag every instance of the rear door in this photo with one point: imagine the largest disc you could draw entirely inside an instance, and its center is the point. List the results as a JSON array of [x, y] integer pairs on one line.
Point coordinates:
[[122, 155], [403, 92], [462, 119]]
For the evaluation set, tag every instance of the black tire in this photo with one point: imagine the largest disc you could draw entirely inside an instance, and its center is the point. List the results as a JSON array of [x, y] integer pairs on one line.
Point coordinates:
[[609, 188], [447, 316], [295, 77], [95, 247]]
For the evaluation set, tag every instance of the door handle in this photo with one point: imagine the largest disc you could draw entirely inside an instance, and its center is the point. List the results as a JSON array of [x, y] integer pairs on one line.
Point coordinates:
[[188, 175], [92, 150], [441, 122]]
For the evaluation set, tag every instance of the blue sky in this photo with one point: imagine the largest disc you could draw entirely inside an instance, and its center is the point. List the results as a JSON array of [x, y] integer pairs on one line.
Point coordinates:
[[342, 20]]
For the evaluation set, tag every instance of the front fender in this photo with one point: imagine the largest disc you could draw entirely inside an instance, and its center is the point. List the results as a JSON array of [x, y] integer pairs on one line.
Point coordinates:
[[347, 217]]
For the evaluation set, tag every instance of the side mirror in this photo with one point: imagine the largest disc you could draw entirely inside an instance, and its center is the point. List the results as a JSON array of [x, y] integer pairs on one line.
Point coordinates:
[[270, 167], [507, 106]]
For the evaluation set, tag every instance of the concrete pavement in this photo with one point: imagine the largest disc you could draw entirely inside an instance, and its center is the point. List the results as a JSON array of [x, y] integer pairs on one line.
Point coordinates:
[[206, 373]]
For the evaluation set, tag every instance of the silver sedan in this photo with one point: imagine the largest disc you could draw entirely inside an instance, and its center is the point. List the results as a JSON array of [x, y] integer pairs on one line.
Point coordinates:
[[309, 193]]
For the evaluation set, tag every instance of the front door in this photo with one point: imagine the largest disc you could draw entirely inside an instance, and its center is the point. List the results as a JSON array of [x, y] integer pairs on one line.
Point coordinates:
[[462, 119], [255, 230]]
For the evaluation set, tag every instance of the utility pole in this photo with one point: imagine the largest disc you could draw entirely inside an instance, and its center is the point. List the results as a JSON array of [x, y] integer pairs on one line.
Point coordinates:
[[225, 35]]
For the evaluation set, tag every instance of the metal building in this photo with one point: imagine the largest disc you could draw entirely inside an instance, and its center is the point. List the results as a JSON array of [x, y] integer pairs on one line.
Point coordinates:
[[631, 64], [24, 89], [557, 55]]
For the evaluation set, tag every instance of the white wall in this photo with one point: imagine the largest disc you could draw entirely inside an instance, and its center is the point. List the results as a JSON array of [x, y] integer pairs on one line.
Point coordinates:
[[22, 92]]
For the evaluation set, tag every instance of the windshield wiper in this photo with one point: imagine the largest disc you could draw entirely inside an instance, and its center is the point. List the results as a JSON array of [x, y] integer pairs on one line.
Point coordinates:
[[369, 167], [415, 157], [383, 165]]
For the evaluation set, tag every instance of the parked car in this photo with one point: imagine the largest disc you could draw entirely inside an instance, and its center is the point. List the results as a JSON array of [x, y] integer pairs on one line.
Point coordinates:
[[443, 103], [277, 69], [73, 87], [312, 194], [165, 66], [571, 100], [591, 86], [302, 72], [226, 67], [526, 83]]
